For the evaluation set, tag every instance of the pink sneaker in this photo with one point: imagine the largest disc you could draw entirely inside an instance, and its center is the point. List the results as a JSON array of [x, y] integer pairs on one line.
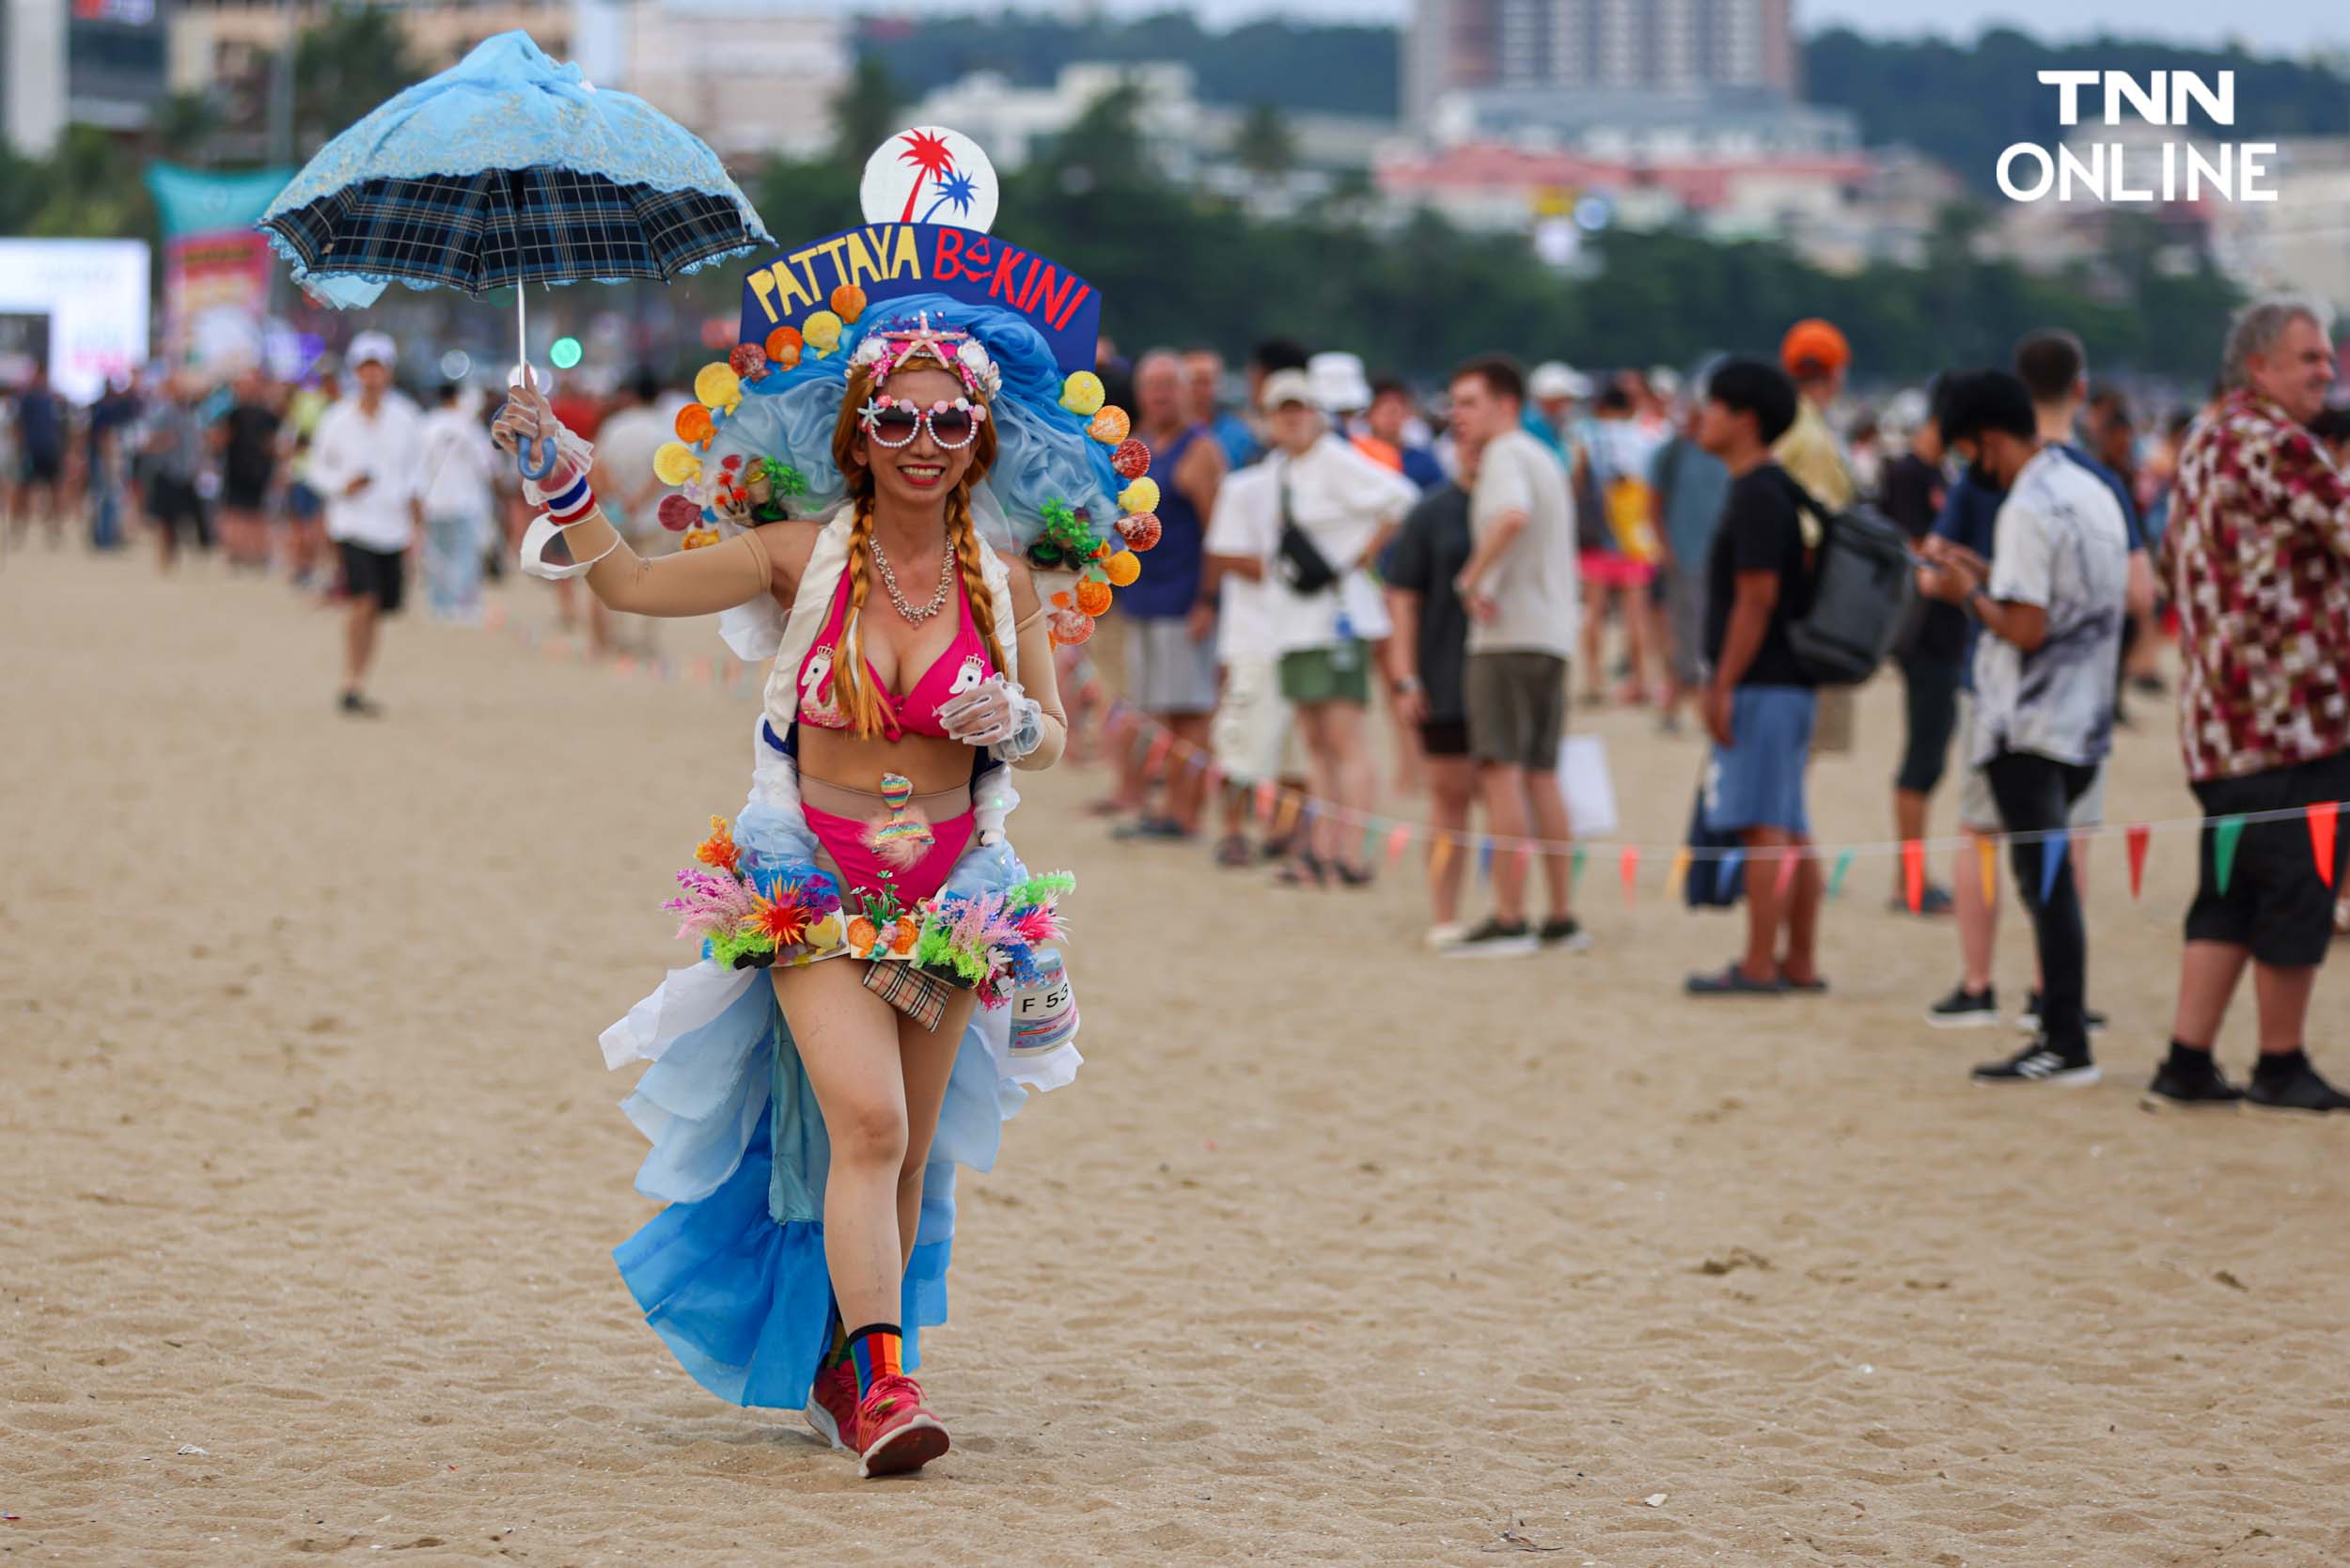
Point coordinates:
[[897, 1429], [831, 1406]]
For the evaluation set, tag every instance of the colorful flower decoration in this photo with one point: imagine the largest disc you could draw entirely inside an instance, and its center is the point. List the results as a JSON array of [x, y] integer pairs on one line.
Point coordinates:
[[719, 849]]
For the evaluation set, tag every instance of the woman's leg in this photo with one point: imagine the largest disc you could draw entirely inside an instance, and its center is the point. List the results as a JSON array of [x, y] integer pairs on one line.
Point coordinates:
[[848, 1040], [1353, 783], [928, 1058], [1314, 732], [1594, 629], [1452, 784]]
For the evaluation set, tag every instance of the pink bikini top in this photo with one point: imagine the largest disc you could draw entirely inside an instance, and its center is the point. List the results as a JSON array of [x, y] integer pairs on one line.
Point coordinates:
[[962, 666]]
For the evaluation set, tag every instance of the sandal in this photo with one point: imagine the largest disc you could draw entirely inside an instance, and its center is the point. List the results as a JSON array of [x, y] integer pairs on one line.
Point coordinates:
[[1304, 871], [1233, 852], [1352, 876], [1731, 981], [1815, 986]]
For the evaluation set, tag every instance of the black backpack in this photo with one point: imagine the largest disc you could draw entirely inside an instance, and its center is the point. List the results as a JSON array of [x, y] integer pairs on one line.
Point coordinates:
[[1862, 588]]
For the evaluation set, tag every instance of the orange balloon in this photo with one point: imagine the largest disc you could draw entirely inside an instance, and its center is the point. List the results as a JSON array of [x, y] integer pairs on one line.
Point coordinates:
[[694, 424], [847, 301], [783, 347], [1093, 598]]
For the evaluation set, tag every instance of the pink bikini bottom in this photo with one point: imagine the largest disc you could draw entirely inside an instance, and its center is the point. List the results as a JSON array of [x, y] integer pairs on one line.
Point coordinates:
[[839, 816]]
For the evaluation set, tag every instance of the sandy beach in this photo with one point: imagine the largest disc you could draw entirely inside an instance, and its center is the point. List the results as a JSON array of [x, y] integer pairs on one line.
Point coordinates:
[[1335, 1252]]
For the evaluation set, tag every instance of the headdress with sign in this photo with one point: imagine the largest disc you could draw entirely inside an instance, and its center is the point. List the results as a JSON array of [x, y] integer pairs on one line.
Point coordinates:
[[1068, 490]]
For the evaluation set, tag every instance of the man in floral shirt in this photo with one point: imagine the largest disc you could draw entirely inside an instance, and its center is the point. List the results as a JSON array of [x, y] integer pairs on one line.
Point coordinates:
[[2258, 558]]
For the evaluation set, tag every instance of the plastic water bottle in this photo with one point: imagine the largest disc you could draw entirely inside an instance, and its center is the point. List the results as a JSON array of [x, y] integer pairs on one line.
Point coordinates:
[[1348, 650]]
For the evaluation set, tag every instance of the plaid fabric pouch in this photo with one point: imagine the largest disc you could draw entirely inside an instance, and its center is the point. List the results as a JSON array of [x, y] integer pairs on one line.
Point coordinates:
[[921, 997]]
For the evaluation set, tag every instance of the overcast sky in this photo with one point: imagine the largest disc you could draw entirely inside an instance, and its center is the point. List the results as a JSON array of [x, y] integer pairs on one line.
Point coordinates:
[[2273, 26]]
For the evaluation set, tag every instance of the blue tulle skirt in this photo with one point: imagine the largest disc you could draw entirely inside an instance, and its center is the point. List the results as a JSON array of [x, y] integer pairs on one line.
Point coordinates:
[[732, 1275]]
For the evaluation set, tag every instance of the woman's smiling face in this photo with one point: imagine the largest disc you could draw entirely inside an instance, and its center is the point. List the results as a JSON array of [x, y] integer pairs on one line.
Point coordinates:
[[921, 473]]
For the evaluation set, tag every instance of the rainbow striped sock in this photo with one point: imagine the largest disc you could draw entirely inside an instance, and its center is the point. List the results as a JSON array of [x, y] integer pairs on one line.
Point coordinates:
[[877, 1351], [835, 1337]]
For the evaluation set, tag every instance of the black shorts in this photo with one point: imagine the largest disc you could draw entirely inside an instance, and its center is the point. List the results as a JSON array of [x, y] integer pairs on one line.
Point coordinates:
[[1445, 738], [41, 468], [244, 497], [2275, 903], [377, 574]]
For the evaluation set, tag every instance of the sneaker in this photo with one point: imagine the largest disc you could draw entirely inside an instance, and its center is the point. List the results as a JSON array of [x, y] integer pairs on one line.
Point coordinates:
[[1444, 935], [1495, 940], [2202, 1085], [359, 707], [1966, 1009], [1566, 932], [898, 1430], [832, 1405], [2301, 1089], [2037, 1064], [1155, 828], [1932, 900], [2028, 1020]]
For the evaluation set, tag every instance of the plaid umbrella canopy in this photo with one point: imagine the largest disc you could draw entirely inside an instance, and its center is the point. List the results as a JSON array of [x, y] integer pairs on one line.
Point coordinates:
[[507, 169]]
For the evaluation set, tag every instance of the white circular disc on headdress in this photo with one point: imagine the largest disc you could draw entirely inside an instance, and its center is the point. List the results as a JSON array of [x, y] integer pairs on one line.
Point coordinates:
[[929, 174]]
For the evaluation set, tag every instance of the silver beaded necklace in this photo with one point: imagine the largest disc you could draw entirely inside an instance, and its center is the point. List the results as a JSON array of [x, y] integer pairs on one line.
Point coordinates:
[[890, 585]]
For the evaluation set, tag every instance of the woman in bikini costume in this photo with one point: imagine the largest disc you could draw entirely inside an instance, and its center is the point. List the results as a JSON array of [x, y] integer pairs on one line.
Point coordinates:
[[805, 1133]]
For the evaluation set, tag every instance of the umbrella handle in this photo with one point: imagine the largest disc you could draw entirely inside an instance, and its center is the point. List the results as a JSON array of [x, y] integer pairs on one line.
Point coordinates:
[[535, 468]]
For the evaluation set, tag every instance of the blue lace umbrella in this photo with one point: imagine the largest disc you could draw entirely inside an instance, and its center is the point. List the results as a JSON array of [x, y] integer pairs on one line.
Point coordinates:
[[505, 170]]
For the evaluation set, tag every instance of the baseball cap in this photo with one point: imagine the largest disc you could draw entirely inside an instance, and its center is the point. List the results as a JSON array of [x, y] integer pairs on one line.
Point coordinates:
[[1814, 345], [377, 345], [1287, 386], [1555, 378]]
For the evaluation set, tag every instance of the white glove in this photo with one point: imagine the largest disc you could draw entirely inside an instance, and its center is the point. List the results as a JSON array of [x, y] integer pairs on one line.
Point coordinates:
[[527, 413], [997, 717]]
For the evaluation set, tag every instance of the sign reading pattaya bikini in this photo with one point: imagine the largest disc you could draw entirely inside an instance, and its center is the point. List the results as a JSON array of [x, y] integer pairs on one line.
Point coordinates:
[[919, 174]]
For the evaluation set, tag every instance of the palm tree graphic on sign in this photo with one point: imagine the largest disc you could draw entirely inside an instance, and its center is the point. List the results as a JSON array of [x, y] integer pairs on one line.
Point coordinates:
[[932, 159]]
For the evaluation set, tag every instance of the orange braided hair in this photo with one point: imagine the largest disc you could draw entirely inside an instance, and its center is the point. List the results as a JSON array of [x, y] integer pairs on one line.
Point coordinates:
[[868, 707]]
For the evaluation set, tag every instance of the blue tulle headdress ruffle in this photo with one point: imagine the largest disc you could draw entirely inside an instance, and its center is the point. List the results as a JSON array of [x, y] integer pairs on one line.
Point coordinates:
[[1045, 458]]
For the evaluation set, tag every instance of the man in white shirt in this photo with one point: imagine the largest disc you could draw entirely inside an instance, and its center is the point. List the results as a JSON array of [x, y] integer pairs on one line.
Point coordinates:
[[458, 466], [367, 459], [1251, 731], [1522, 587], [1326, 612]]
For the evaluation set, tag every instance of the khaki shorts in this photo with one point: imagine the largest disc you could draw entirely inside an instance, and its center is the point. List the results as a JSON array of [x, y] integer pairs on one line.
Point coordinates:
[[1831, 731], [1251, 733], [1980, 813], [1517, 708]]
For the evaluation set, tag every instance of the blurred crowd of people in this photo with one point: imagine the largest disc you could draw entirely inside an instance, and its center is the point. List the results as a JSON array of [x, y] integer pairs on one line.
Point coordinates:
[[341, 481], [1335, 542]]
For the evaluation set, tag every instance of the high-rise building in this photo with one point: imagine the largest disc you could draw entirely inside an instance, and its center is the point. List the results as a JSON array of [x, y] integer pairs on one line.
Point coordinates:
[[92, 62], [1455, 49]]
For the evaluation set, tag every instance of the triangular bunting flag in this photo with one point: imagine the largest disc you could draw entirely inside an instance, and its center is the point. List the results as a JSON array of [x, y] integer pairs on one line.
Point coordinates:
[[1265, 793], [1987, 866], [1914, 875], [1287, 817], [1679, 870], [2224, 833], [1484, 858], [1787, 860], [1439, 854], [2137, 833], [1836, 877], [1629, 868], [2051, 862], [1730, 862], [2322, 837], [1574, 866], [1397, 840]]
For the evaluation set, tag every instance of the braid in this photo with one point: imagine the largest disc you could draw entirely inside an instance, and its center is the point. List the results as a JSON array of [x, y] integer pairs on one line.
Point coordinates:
[[965, 541], [849, 680]]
